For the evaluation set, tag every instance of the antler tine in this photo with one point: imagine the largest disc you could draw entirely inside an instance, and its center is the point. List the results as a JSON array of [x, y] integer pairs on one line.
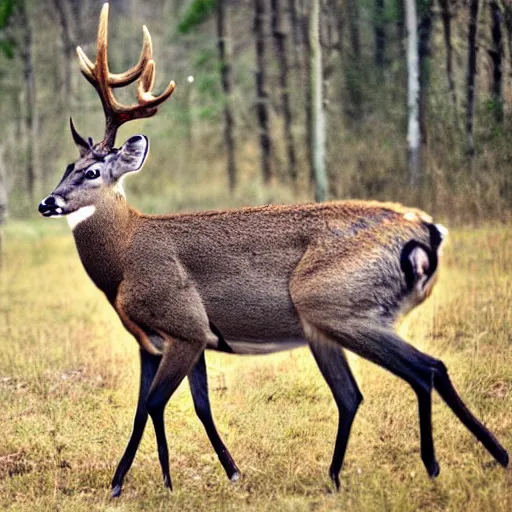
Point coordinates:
[[145, 84], [99, 75], [101, 66], [81, 143], [86, 66], [114, 79]]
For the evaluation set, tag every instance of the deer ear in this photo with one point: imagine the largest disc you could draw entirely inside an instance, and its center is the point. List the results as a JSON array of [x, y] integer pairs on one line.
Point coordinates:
[[131, 156]]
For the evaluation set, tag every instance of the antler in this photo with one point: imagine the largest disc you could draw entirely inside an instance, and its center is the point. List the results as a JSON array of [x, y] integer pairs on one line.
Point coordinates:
[[99, 75]]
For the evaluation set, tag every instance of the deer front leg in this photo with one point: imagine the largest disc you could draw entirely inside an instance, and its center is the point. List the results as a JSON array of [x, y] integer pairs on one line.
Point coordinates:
[[148, 367], [334, 367], [178, 358], [198, 382]]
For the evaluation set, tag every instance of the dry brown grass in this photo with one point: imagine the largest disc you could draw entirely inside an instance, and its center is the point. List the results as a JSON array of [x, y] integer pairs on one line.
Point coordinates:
[[68, 385]]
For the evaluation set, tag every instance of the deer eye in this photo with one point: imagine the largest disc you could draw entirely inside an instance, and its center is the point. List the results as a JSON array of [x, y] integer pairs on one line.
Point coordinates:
[[92, 174]]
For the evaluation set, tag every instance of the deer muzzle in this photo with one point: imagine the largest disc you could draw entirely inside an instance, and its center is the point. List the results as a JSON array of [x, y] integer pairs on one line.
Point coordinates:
[[49, 207]]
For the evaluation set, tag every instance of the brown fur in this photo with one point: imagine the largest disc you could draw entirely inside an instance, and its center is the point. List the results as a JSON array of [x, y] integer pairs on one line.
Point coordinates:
[[248, 271]]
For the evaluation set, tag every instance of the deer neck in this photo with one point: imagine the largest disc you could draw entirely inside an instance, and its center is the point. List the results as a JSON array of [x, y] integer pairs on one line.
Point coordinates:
[[101, 234]]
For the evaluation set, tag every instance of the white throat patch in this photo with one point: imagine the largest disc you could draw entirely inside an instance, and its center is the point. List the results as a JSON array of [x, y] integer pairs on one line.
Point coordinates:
[[80, 215], [119, 187]]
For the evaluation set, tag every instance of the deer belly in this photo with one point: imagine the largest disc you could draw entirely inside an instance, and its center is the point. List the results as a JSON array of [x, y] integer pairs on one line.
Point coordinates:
[[258, 347], [255, 321]]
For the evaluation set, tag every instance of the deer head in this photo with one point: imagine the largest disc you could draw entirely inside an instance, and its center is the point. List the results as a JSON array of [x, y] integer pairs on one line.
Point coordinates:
[[101, 165]]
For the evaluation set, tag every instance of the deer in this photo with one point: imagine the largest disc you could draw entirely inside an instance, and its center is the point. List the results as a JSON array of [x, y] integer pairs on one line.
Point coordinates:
[[333, 276]]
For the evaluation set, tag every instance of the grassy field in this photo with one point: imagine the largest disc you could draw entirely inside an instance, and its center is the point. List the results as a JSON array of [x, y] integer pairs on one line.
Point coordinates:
[[69, 379]]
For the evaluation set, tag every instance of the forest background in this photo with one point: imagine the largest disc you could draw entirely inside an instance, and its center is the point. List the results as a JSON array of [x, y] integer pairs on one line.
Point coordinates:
[[245, 122], [275, 101]]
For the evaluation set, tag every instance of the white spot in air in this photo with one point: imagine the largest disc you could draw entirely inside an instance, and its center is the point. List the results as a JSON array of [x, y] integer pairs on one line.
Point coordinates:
[[80, 215], [190, 79]]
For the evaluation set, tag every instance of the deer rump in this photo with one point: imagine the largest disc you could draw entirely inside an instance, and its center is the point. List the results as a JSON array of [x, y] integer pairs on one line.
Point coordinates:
[[418, 264]]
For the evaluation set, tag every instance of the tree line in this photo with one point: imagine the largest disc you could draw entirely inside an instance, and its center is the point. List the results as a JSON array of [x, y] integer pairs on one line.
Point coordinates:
[[301, 82]]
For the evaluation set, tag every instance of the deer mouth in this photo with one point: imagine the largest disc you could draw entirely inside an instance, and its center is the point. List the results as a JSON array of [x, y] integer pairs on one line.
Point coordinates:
[[50, 211], [49, 207]]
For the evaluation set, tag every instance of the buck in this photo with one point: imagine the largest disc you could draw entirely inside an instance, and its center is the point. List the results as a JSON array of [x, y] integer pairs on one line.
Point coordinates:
[[333, 276]]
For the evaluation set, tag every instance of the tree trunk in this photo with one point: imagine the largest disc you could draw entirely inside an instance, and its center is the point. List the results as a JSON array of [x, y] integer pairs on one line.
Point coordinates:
[[424, 34], [304, 23], [77, 8], [280, 47], [225, 75], [508, 23], [31, 168], [328, 28], [353, 67], [447, 30], [261, 94], [337, 9], [295, 28], [471, 74], [400, 28], [353, 25], [380, 34], [496, 54], [317, 118], [413, 88], [67, 49]]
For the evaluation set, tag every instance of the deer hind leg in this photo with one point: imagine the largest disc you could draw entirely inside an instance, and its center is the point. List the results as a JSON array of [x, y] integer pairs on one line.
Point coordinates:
[[448, 393], [148, 368], [335, 369], [385, 348]]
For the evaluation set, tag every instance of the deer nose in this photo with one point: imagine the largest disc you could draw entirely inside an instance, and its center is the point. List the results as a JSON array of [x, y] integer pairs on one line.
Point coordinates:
[[48, 207]]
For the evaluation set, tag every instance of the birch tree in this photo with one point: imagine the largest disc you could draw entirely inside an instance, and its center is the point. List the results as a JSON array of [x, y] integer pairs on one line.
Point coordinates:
[[413, 90], [317, 117]]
